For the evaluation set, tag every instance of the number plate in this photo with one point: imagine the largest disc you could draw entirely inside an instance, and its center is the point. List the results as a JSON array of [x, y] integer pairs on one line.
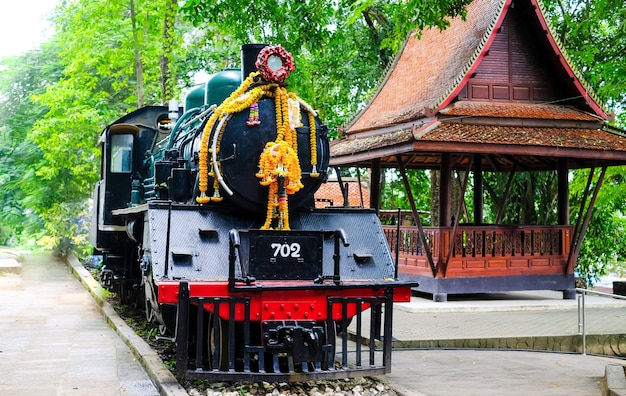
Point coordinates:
[[285, 254]]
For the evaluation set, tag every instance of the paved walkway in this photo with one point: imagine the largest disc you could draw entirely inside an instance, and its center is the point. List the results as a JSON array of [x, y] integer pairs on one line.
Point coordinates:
[[53, 339], [498, 315], [502, 373], [538, 315]]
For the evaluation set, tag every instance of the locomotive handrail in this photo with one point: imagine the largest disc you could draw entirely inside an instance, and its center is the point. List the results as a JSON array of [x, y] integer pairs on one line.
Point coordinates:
[[216, 167], [234, 244], [340, 235], [234, 241]]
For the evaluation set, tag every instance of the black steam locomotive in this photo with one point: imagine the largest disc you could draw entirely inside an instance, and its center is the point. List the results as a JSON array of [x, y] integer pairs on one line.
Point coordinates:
[[208, 220]]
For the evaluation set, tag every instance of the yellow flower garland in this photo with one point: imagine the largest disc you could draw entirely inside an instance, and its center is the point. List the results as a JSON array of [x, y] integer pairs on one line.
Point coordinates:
[[279, 160], [313, 142], [226, 107]]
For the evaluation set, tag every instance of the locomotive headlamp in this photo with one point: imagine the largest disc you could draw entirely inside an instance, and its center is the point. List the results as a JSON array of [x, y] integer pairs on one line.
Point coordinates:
[[274, 63]]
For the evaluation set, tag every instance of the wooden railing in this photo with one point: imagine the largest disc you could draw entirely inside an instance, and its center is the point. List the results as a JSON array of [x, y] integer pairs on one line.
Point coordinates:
[[494, 250]]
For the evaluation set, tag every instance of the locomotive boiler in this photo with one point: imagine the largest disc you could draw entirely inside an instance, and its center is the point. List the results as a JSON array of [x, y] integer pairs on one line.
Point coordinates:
[[205, 216]]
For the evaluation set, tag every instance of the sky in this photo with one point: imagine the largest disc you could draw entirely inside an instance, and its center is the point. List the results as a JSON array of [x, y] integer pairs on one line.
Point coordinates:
[[24, 25]]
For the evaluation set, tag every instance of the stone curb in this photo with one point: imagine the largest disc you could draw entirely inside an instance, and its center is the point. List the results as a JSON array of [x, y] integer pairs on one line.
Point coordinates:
[[610, 345], [614, 380], [160, 375]]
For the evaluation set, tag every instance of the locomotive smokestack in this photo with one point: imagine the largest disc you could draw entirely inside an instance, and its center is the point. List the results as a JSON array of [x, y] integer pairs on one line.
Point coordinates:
[[249, 53]]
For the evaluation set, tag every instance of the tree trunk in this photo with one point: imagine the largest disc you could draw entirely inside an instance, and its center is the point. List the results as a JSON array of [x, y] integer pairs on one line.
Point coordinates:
[[169, 19], [137, 54]]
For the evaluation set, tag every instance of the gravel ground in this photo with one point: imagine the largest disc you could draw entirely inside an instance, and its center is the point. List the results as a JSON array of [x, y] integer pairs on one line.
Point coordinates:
[[346, 387]]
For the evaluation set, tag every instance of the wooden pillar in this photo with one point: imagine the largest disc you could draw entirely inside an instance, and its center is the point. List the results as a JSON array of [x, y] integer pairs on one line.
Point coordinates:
[[563, 192], [375, 186], [444, 190], [478, 190]]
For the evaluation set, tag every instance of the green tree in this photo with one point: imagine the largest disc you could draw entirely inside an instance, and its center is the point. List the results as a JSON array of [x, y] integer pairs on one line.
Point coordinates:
[[604, 245], [21, 77], [117, 64], [394, 195], [531, 198]]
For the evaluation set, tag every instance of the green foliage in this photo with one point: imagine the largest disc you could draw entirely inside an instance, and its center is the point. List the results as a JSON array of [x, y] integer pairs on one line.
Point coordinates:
[[604, 245], [20, 78], [409, 15], [59, 99], [532, 197], [393, 193], [341, 48]]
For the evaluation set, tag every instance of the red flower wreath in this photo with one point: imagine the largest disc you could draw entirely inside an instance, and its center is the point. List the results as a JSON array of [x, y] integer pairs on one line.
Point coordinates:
[[274, 75]]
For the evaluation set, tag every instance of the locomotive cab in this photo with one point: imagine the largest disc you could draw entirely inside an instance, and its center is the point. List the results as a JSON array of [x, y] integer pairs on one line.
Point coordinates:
[[124, 145]]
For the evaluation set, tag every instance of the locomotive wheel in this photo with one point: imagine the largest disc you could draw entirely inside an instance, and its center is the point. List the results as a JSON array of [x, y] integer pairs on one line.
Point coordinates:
[[219, 345], [150, 317]]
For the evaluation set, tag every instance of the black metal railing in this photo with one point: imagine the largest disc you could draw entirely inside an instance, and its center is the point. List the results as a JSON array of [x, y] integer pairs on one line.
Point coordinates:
[[348, 349]]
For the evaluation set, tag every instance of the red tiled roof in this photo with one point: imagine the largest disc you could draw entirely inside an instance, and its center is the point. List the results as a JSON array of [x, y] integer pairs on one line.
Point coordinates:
[[330, 192], [429, 67], [589, 139], [533, 137], [518, 110], [355, 144], [430, 70]]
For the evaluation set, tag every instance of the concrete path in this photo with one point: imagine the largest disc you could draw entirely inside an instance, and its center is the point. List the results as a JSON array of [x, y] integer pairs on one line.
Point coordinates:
[[528, 320], [54, 341], [503, 373]]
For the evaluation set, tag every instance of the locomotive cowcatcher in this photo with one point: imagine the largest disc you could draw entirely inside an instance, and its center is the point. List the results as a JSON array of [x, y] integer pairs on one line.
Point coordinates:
[[208, 220]]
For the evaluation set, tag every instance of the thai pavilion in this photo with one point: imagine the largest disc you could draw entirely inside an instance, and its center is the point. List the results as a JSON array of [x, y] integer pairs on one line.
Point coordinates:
[[492, 93]]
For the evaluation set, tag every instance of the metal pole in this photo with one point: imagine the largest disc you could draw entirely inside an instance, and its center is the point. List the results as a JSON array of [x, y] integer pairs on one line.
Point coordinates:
[[580, 323], [395, 275], [583, 326], [581, 311]]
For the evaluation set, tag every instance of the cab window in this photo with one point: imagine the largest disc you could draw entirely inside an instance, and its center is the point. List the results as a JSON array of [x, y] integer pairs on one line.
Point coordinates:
[[121, 153]]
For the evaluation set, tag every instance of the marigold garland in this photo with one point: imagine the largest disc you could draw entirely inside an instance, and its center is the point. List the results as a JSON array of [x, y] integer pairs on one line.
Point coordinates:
[[279, 161], [226, 107], [312, 137]]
